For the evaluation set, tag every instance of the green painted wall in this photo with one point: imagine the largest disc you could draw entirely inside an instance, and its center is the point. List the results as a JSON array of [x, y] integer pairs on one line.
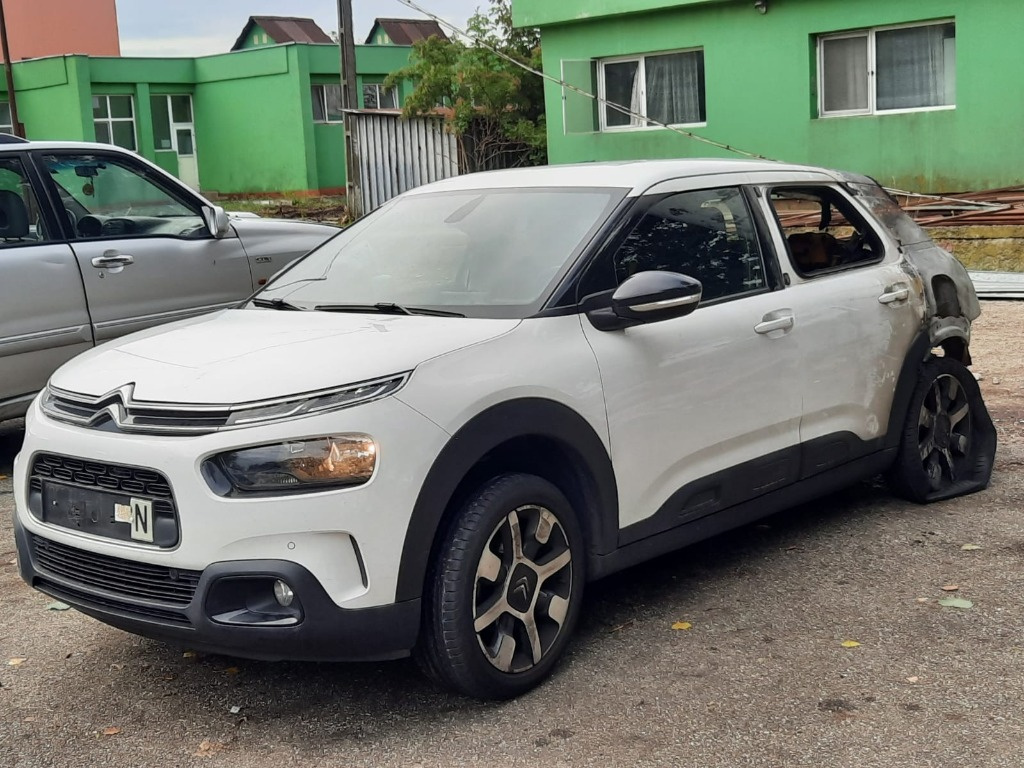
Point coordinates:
[[760, 83], [252, 109], [535, 13]]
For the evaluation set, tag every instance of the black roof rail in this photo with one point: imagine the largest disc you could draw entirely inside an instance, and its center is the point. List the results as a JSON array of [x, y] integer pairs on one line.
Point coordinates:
[[7, 138]]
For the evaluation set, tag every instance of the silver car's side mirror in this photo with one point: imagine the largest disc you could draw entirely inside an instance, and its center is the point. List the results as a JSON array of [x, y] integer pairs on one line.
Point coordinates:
[[217, 221], [646, 297]]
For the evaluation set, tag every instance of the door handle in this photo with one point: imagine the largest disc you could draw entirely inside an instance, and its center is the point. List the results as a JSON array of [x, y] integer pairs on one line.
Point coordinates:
[[895, 294], [111, 260], [774, 321]]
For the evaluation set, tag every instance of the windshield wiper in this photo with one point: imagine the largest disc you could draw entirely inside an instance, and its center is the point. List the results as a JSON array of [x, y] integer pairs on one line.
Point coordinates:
[[386, 307], [277, 304]]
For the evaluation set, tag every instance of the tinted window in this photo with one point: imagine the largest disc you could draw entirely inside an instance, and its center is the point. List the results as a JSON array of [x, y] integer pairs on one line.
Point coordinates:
[[20, 219], [708, 235]]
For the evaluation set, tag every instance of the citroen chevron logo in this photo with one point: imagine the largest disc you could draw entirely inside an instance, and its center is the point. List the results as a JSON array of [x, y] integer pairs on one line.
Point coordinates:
[[117, 407], [522, 587]]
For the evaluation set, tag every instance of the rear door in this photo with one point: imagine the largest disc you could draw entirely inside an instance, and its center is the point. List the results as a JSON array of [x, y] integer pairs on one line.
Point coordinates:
[[43, 317], [145, 254], [857, 314]]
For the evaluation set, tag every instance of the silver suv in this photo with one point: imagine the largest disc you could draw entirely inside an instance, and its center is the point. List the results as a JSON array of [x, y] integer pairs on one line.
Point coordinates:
[[96, 242]]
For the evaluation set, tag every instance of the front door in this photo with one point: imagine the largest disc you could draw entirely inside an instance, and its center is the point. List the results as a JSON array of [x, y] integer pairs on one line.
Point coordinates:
[[703, 410], [145, 254]]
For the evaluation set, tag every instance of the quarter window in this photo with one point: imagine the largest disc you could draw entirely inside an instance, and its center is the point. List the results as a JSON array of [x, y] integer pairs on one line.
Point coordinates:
[[114, 120], [21, 222], [327, 104], [887, 70], [707, 234], [666, 88]]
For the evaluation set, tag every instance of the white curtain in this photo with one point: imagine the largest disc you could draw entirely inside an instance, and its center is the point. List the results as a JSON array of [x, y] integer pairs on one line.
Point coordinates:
[[675, 88], [912, 67], [845, 74]]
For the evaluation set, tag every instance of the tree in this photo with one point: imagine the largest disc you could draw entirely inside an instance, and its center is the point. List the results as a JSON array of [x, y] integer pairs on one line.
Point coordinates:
[[494, 107]]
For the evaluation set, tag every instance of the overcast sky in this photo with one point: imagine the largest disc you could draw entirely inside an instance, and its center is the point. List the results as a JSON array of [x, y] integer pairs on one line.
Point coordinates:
[[197, 27]]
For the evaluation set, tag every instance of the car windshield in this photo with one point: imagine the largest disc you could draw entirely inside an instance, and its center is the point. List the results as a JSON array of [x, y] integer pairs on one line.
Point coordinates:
[[479, 253]]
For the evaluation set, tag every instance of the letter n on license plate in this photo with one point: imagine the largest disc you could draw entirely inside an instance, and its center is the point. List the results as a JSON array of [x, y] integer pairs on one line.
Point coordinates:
[[142, 520]]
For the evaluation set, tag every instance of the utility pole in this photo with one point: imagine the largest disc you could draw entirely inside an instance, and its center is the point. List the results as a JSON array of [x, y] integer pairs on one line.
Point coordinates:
[[347, 43], [346, 37], [19, 129]]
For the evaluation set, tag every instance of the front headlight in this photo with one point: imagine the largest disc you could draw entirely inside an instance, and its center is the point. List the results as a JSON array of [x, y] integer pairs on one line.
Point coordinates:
[[295, 466]]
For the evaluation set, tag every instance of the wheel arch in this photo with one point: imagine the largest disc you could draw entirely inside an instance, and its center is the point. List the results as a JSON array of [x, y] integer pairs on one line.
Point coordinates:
[[531, 435]]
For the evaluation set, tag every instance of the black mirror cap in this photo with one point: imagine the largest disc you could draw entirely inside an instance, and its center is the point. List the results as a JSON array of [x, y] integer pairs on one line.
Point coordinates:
[[646, 297]]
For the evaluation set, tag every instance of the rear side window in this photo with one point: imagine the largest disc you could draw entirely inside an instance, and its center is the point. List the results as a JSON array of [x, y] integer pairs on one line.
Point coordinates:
[[823, 231], [706, 234]]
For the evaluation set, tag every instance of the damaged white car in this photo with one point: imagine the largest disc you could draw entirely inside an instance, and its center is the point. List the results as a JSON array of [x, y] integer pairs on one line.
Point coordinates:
[[429, 434]]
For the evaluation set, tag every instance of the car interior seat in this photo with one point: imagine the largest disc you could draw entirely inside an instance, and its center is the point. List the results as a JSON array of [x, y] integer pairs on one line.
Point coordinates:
[[13, 217]]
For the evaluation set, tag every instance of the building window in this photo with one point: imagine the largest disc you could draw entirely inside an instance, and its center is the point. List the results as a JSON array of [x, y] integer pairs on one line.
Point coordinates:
[[890, 69], [667, 88], [376, 96], [327, 104], [114, 120], [6, 122]]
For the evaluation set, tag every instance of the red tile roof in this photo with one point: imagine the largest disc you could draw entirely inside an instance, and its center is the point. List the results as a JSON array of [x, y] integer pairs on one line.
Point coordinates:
[[284, 29], [407, 31]]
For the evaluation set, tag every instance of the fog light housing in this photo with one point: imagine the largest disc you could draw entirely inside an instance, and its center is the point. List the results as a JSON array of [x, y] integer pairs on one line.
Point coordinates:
[[283, 594]]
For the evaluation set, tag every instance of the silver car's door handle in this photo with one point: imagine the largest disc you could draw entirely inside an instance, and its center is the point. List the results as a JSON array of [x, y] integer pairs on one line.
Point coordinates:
[[895, 293], [774, 322], [112, 260]]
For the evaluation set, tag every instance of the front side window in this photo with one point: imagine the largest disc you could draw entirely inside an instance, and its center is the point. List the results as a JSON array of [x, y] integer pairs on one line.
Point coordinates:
[[665, 89], [707, 234], [114, 120], [376, 96], [480, 253], [823, 231], [105, 196], [21, 222], [886, 70], [327, 104]]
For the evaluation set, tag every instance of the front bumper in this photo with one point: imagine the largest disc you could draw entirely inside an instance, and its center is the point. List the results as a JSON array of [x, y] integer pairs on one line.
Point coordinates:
[[319, 631]]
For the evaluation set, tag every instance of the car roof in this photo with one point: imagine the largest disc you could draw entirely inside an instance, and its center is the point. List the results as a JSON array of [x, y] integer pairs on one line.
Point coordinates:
[[636, 175], [21, 146]]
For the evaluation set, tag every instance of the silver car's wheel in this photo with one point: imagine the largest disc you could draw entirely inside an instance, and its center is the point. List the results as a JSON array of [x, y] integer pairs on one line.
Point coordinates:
[[504, 589], [523, 588]]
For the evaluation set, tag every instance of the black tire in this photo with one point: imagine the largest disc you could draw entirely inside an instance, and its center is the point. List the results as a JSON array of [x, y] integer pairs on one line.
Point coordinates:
[[948, 442], [476, 636]]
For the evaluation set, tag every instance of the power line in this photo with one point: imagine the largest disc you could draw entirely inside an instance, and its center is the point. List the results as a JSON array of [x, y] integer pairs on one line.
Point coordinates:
[[568, 86]]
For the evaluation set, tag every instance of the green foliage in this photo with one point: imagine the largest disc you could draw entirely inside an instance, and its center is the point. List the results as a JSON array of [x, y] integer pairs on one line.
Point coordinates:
[[482, 94]]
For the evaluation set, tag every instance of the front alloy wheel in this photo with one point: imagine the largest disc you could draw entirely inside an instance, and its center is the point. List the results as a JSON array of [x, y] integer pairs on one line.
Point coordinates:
[[504, 589]]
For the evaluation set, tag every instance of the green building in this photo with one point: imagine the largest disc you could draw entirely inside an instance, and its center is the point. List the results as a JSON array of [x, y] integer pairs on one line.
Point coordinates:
[[263, 119], [921, 94]]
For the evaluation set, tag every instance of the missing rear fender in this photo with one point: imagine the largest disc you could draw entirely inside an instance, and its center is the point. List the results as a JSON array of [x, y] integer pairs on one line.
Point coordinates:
[[947, 302], [956, 349]]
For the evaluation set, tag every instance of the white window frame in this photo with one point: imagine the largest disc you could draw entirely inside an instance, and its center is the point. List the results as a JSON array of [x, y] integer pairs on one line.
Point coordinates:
[[320, 91], [872, 108], [642, 74], [7, 128], [109, 120], [381, 89]]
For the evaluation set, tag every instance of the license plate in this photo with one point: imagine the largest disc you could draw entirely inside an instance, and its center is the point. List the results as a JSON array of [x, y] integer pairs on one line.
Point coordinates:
[[112, 515]]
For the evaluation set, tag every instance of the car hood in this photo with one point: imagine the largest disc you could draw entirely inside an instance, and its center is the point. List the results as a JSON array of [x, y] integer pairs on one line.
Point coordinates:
[[238, 356]]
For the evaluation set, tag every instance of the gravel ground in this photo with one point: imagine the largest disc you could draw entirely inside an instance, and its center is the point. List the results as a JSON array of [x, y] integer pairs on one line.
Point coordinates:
[[761, 678]]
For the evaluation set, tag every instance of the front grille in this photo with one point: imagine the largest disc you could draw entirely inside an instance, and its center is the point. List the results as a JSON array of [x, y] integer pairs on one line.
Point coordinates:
[[145, 589], [88, 600], [119, 409], [133, 481], [98, 486]]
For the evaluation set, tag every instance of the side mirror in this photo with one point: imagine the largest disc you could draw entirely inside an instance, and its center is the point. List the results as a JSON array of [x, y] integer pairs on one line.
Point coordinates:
[[646, 297], [216, 220]]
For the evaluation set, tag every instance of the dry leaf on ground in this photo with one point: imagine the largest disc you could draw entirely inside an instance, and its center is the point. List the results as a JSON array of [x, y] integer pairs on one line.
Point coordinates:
[[16, 662], [969, 547], [682, 625], [208, 747], [111, 730], [850, 644], [951, 588], [955, 602]]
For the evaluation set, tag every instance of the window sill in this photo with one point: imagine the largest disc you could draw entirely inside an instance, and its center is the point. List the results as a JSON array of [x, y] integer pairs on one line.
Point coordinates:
[[648, 128], [884, 112]]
